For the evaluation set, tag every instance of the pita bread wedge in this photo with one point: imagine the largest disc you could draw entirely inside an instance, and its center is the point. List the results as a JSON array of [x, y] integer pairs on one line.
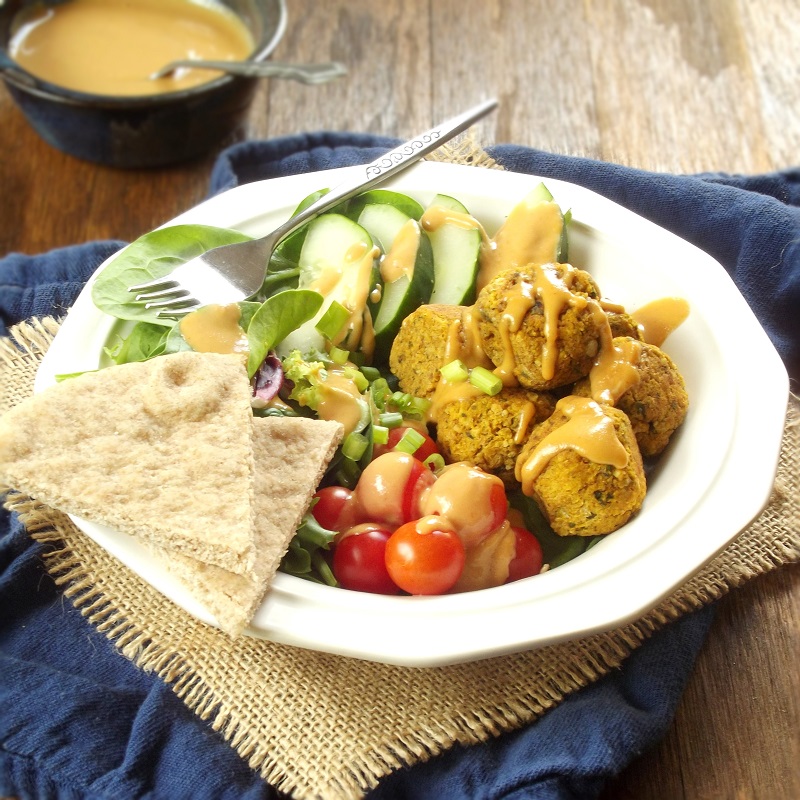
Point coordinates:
[[160, 449], [291, 455]]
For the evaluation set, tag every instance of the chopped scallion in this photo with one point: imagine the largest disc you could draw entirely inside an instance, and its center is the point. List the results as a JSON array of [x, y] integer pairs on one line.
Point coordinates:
[[486, 381], [339, 356], [358, 378], [410, 442], [354, 446], [435, 461], [380, 434], [332, 320], [391, 419], [455, 371]]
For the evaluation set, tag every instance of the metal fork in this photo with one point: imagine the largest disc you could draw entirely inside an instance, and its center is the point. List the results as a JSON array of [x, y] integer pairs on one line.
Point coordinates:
[[234, 272]]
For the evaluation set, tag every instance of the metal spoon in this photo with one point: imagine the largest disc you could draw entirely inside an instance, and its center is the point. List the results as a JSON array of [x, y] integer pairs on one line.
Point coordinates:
[[305, 73]]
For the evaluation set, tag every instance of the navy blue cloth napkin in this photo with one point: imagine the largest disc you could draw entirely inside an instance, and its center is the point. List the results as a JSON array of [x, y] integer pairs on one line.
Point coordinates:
[[77, 720]]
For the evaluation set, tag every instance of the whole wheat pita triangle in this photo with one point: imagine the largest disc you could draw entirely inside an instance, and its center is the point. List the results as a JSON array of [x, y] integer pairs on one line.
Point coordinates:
[[160, 449], [291, 455]]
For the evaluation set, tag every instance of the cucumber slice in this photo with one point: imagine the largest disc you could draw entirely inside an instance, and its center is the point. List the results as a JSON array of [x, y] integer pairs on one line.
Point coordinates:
[[382, 222], [402, 202], [401, 297], [456, 257], [536, 230], [405, 294], [334, 261]]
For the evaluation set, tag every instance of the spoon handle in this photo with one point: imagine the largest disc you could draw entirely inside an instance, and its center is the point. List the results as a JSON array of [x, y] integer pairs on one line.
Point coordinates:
[[304, 73]]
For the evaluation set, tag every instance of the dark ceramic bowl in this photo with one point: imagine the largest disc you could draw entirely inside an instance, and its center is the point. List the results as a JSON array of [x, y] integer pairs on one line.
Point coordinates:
[[147, 130]]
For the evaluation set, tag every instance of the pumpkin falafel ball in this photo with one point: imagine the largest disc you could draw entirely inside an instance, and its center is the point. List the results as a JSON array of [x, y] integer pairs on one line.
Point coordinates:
[[569, 295], [657, 404], [485, 430], [577, 495], [419, 350]]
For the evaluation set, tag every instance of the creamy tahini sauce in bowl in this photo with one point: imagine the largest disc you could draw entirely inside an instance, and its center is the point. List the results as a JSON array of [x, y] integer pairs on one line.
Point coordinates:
[[111, 47]]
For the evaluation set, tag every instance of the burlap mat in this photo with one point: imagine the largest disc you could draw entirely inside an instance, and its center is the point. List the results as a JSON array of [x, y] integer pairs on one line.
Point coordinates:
[[335, 738]]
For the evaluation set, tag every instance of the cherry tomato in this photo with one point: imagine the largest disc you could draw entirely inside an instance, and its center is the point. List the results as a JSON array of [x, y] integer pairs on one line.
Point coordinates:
[[359, 560], [528, 558], [419, 480], [390, 488], [473, 500], [335, 508], [425, 556], [427, 448]]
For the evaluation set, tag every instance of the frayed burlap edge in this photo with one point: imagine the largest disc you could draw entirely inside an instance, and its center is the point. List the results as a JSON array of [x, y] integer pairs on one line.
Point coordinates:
[[317, 725]]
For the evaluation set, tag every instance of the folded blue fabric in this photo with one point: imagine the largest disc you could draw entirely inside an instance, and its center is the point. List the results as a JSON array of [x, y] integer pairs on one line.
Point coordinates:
[[77, 720]]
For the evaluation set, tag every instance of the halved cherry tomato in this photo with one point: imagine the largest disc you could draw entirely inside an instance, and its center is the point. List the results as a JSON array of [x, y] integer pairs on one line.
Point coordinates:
[[425, 556], [528, 558], [419, 480], [335, 508], [426, 449], [359, 560], [390, 488], [473, 500]]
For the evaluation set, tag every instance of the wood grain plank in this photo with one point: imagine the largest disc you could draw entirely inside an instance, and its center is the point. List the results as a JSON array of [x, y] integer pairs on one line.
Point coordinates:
[[737, 729], [534, 61], [674, 88], [386, 48], [770, 33]]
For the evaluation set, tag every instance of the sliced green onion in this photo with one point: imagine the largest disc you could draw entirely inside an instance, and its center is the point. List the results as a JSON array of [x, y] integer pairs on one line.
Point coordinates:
[[391, 419], [401, 399], [435, 461], [358, 378], [486, 381], [332, 320], [354, 446], [380, 391], [455, 372], [421, 405], [339, 356], [410, 442], [380, 434], [371, 373]]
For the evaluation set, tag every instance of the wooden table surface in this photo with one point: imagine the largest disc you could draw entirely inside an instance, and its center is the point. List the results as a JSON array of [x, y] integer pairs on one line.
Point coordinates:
[[672, 85]]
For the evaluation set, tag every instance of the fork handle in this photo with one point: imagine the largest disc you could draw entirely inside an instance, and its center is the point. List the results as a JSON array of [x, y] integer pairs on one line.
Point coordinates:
[[369, 175]]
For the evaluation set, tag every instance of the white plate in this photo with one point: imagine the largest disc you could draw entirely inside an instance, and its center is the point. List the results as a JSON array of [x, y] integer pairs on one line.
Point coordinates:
[[714, 479]]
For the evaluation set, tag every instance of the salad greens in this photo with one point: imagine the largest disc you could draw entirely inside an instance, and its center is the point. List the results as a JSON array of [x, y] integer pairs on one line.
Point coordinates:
[[305, 557], [275, 319], [152, 256], [287, 328]]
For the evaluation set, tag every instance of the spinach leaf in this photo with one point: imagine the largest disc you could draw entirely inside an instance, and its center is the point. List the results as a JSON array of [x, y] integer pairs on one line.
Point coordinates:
[[276, 319], [145, 340], [174, 341], [305, 557], [153, 255]]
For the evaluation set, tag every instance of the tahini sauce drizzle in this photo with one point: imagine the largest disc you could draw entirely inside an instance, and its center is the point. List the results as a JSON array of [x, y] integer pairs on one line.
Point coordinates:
[[214, 329], [614, 370], [587, 430], [340, 400], [357, 332], [111, 47], [525, 237], [656, 320], [552, 285], [399, 261]]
